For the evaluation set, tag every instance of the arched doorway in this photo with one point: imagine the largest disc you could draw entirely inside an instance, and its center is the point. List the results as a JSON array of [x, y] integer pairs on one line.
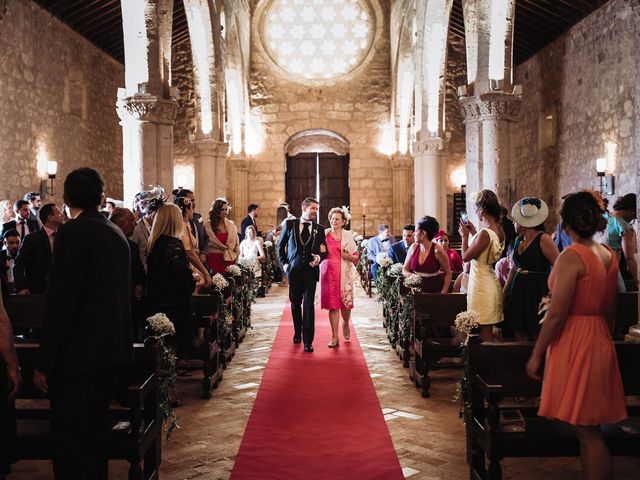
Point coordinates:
[[317, 166]]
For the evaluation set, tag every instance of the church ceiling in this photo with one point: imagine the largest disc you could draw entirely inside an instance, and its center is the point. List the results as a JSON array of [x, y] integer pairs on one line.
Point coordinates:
[[538, 22]]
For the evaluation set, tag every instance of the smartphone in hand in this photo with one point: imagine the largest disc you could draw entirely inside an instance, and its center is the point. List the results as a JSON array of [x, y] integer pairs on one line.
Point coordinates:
[[464, 217]]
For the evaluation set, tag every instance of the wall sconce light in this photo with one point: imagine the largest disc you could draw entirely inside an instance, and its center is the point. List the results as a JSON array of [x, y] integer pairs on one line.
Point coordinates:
[[52, 170], [606, 181]]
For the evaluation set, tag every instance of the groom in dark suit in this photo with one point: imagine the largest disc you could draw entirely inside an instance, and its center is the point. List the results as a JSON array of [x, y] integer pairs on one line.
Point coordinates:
[[301, 248]]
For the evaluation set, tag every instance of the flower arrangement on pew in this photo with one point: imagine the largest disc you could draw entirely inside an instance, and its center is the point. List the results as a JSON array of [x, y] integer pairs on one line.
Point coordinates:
[[159, 326], [405, 316], [219, 285], [467, 323], [383, 282], [248, 293], [272, 258], [392, 299]]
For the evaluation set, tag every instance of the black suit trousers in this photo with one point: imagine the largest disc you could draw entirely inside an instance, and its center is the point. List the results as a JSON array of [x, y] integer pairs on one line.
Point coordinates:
[[79, 423], [302, 291]]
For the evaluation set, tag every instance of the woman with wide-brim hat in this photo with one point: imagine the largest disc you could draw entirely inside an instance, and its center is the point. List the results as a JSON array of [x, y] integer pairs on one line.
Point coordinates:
[[534, 254]]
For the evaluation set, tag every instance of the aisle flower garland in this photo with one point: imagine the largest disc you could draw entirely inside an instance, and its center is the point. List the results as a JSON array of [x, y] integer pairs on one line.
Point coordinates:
[[159, 327], [465, 322]]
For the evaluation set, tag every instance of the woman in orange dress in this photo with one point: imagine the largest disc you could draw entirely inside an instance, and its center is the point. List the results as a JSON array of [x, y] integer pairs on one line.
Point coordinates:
[[582, 384]]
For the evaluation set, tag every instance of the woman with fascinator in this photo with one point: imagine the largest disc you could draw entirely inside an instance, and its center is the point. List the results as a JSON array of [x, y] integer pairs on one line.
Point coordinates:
[[534, 254], [338, 274]]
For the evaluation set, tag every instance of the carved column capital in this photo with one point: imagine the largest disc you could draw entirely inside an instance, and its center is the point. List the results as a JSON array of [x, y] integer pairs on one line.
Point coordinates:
[[240, 164], [148, 108], [430, 146], [210, 147], [401, 161], [496, 106]]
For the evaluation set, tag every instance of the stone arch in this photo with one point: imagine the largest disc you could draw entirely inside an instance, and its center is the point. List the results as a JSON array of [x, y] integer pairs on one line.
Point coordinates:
[[316, 140]]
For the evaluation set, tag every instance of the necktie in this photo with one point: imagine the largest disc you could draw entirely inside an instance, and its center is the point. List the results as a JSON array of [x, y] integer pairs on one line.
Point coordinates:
[[53, 239], [22, 229], [193, 228], [306, 233]]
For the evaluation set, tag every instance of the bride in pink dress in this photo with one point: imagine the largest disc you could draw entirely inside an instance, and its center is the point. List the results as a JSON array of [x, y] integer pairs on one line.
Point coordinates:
[[338, 274]]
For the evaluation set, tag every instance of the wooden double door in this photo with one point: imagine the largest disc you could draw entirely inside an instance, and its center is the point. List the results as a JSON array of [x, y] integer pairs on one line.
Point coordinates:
[[324, 176]]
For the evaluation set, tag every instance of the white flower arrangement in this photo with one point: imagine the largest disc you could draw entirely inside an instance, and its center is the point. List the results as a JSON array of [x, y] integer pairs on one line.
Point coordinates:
[[383, 260], [219, 282], [346, 213], [234, 270], [245, 262], [413, 281], [161, 325], [268, 244], [358, 238], [467, 321], [365, 243], [395, 270]]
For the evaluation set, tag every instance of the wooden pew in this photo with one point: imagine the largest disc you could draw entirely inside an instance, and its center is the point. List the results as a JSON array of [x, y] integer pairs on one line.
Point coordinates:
[[137, 415], [204, 309], [496, 371], [26, 313], [434, 314], [626, 314]]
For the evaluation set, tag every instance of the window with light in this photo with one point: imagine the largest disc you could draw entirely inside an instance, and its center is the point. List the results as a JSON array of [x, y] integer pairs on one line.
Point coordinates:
[[318, 39]]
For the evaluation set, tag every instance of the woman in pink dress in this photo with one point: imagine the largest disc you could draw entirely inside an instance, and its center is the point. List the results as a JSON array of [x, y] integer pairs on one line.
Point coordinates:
[[224, 244], [338, 273]]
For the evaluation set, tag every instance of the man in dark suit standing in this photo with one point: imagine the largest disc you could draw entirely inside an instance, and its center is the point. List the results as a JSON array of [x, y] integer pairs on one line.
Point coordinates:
[[301, 248], [196, 225], [398, 251], [31, 268], [22, 223], [35, 202], [87, 335], [11, 246], [250, 220]]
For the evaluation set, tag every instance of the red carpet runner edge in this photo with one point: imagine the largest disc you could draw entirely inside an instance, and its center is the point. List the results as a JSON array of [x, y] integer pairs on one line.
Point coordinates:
[[316, 415]]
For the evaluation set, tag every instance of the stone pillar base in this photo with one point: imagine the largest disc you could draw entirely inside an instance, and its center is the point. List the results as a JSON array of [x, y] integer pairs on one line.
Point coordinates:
[[210, 170]]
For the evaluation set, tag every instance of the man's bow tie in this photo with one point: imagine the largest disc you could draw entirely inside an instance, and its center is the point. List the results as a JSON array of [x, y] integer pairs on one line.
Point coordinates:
[[385, 240]]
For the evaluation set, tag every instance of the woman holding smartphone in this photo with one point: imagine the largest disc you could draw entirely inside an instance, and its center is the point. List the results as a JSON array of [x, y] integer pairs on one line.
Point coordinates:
[[338, 274], [483, 248]]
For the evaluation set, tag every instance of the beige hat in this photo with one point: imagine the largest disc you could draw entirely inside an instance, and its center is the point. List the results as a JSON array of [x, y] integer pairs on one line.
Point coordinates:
[[530, 212]]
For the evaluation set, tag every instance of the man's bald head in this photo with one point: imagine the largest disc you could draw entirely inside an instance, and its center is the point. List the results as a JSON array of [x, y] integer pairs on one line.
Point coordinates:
[[125, 219]]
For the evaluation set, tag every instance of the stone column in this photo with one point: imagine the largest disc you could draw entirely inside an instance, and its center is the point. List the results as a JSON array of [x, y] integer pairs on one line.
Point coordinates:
[[489, 144], [634, 332], [239, 181], [147, 135], [401, 191], [210, 171], [430, 179]]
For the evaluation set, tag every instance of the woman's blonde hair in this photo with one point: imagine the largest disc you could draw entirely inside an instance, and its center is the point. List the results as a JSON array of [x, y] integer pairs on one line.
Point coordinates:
[[252, 228], [167, 221]]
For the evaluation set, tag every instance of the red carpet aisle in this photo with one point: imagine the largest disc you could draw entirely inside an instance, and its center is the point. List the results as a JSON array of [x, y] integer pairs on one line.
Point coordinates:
[[316, 415]]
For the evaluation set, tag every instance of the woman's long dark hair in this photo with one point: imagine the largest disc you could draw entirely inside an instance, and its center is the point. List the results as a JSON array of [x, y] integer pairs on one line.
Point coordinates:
[[215, 214], [281, 214]]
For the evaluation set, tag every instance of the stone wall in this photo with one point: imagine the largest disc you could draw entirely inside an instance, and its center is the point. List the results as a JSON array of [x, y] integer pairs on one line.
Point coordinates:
[[586, 82], [358, 109], [57, 102]]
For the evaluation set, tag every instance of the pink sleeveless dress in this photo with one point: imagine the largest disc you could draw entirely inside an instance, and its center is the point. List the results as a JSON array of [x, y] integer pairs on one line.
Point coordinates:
[[431, 265]]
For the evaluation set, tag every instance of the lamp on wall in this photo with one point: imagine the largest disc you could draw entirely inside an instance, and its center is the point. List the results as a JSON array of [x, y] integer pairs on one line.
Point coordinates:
[[52, 170], [606, 181]]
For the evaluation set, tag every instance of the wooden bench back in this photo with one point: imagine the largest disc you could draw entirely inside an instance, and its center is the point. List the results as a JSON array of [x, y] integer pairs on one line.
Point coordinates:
[[26, 311], [204, 305], [503, 365], [136, 373], [439, 309], [627, 309]]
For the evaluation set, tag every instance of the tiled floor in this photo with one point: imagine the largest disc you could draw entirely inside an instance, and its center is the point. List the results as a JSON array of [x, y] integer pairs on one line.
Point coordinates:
[[427, 433]]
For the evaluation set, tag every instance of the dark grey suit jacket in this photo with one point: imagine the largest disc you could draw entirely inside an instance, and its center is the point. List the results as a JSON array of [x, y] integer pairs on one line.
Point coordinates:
[[88, 310]]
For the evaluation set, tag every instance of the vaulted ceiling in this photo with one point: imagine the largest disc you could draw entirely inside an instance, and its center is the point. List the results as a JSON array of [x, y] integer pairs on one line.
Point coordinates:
[[538, 22]]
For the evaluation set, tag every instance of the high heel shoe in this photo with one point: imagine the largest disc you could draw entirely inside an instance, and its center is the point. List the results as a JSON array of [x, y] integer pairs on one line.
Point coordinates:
[[346, 332], [333, 343]]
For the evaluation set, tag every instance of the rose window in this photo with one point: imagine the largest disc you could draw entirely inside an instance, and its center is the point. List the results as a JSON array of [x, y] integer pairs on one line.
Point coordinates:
[[318, 39]]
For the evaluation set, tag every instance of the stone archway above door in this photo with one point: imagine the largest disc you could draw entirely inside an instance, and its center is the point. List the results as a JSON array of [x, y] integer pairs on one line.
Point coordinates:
[[316, 140]]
